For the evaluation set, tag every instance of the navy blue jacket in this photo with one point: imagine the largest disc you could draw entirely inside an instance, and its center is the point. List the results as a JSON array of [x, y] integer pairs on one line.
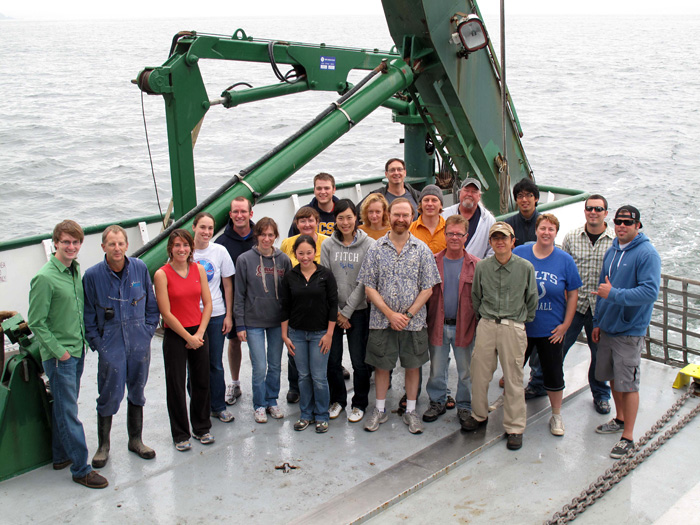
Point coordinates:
[[523, 228], [326, 225], [234, 243]]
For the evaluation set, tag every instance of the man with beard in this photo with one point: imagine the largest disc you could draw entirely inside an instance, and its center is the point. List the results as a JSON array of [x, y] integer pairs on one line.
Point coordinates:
[[628, 287], [398, 272], [480, 219]]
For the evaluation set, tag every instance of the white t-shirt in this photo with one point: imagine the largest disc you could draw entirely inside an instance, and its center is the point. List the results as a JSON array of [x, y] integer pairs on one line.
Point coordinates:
[[217, 263]]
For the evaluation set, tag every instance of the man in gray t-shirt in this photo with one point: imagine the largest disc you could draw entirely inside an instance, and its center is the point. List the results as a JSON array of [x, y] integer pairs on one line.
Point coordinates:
[[451, 321]]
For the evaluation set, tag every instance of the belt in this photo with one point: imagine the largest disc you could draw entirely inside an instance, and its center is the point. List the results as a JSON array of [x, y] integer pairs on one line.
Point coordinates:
[[451, 322], [508, 322]]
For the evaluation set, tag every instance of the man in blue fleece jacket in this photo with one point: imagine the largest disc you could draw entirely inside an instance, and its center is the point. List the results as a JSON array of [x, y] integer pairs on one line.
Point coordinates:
[[629, 285]]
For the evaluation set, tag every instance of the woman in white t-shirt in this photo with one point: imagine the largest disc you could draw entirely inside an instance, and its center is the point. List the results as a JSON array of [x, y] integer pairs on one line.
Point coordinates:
[[220, 269]]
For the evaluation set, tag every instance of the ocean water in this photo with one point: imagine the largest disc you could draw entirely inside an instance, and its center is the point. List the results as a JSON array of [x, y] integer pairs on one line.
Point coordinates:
[[608, 105]]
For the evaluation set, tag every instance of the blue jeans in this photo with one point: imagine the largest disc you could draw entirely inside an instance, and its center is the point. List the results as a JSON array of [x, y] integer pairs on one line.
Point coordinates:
[[217, 383], [439, 363], [267, 364], [314, 396], [357, 336], [599, 389], [67, 434]]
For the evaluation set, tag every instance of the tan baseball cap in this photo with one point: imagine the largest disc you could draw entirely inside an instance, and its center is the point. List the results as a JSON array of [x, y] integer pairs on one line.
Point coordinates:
[[501, 227]]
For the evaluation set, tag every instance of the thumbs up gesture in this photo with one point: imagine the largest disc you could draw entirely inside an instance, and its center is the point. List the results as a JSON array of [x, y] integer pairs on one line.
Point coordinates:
[[603, 289]]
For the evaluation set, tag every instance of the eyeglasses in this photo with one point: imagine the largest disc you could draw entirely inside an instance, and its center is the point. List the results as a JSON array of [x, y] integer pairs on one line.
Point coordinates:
[[396, 170], [524, 195], [454, 235], [626, 222], [70, 243], [599, 209]]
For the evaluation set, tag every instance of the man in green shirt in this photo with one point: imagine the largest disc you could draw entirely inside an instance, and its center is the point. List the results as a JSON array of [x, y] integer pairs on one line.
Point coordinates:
[[56, 319], [504, 296]]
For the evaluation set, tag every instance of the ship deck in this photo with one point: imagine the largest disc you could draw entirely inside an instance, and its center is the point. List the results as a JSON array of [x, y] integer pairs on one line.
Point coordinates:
[[349, 475]]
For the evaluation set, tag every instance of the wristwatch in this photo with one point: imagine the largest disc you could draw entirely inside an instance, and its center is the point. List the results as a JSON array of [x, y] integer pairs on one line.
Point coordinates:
[[409, 315]]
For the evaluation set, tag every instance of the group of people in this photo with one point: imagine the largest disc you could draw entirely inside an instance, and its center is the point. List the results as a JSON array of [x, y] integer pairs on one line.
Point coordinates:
[[401, 277]]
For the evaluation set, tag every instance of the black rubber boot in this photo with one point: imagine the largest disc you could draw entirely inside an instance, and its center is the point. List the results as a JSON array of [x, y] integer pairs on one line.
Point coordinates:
[[134, 424], [104, 427]]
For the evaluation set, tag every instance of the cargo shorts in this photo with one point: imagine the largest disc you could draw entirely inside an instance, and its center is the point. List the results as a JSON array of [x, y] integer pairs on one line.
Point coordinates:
[[386, 345], [619, 359]]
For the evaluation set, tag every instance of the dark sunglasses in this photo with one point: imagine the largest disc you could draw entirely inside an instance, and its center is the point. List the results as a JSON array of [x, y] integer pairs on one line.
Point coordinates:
[[626, 222], [599, 209]]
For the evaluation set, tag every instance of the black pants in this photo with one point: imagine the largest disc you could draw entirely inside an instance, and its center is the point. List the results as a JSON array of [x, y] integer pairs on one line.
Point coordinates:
[[551, 360], [177, 359], [292, 374], [357, 347]]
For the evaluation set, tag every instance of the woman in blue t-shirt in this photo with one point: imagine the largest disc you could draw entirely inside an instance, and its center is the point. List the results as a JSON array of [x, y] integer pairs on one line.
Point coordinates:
[[558, 281]]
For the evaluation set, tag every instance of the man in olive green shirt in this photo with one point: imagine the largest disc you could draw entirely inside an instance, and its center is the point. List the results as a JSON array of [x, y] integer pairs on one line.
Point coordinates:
[[56, 319], [504, 296]]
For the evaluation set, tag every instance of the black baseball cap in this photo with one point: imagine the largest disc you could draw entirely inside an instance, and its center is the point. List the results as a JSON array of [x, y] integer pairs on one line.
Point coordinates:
[[627, 211]]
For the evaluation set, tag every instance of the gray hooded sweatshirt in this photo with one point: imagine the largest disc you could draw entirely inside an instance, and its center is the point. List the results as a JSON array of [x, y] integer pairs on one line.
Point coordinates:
[[344, 262], [256, 300]]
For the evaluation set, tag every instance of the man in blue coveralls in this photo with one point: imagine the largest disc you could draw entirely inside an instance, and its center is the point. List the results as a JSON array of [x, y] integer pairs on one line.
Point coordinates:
[[121, 316]]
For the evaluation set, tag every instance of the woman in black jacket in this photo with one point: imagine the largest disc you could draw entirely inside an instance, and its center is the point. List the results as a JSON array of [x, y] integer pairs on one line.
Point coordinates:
[[309, 297]]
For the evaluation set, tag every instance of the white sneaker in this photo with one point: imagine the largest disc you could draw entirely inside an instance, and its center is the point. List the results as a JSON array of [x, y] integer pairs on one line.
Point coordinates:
[[260, 415], [356, 415], [334, 410], [556, 425], [412, 419], [375, 419], [275, 412]]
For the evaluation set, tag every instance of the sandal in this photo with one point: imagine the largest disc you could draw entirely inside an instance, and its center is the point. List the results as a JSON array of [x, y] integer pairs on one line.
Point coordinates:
[[450, 403], [403, 402]]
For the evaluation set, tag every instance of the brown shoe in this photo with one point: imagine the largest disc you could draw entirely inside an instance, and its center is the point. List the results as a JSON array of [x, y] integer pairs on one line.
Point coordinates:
[[62, 464], [92, 481], [502, 382], [471, 423], [515, 441]]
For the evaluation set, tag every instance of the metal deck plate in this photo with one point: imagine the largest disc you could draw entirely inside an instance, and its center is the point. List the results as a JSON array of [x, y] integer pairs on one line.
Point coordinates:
[[349, 474]]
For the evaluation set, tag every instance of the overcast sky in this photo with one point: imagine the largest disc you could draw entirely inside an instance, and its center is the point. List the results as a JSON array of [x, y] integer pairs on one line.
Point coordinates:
[[91, 9]]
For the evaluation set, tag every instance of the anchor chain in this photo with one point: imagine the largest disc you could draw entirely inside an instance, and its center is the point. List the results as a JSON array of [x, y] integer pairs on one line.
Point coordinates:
[[628, 462]]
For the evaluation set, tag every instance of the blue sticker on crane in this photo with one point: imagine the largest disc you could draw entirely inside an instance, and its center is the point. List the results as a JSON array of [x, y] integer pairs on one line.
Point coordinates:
[[328, 63]]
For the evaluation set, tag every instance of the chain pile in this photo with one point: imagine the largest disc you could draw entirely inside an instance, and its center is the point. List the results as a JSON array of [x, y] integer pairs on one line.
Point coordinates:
[[628, 462]]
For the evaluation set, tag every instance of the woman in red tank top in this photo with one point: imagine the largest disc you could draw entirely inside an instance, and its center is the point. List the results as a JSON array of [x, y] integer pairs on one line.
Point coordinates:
[[180, 284]]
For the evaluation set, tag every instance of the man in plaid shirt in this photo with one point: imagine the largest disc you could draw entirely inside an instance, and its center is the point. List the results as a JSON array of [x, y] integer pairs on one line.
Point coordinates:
[[587, 245]]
